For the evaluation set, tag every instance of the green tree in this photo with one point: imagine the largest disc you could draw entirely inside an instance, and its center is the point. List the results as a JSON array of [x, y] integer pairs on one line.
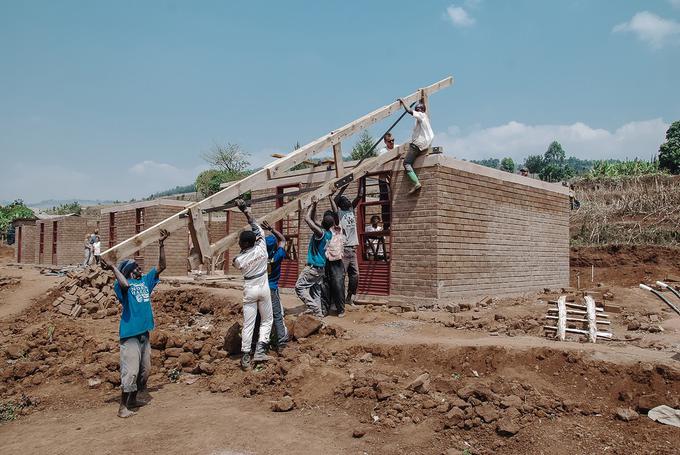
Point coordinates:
[[507, 165], [493, 163], [669, 151], [555, 154], [13, 211], [230, 158], [67, 208], [208, 182], [534, 164], [363, 146], [554, 165]]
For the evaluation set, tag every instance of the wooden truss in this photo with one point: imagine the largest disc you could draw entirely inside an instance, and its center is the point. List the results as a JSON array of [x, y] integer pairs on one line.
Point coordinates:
[[197, 227]]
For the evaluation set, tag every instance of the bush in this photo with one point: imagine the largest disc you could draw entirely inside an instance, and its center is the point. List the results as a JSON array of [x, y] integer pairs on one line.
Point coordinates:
[[628, 168]]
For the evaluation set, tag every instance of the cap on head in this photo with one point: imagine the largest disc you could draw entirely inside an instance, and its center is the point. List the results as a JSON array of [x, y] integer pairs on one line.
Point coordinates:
[[126, 267]]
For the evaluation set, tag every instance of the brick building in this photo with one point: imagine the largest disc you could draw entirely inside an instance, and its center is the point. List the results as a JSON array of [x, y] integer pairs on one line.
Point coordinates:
[[472, 230], [59, 240], [25, 241]]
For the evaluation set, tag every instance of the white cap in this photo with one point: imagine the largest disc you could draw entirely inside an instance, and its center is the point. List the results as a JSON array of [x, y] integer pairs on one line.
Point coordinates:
[[645, 287], [663, 285]]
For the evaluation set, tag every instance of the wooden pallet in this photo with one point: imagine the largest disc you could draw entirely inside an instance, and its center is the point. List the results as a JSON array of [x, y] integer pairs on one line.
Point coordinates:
[[595, 321]]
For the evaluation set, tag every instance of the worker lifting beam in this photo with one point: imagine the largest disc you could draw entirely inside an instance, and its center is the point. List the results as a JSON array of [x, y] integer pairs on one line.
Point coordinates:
[[274, 170]]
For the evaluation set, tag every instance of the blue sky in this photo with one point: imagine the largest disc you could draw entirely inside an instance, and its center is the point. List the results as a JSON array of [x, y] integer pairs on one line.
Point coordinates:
[[119, 99]]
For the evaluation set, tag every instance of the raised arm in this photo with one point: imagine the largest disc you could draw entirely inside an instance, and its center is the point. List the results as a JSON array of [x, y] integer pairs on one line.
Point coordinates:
[[122, 281], [161, 251], [310, 218], [334, 205], [406, 108], [243, 207], [334, 199], [280, 238]]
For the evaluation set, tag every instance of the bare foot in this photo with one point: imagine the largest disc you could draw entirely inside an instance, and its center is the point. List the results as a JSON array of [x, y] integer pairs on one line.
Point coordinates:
[[124, 412]]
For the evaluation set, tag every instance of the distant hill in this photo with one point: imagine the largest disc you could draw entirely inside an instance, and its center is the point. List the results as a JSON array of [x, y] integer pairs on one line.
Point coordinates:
[[49, 203]]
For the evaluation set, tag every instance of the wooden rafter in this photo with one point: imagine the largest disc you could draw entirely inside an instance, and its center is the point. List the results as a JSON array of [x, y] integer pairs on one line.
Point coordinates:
[[257, 179]]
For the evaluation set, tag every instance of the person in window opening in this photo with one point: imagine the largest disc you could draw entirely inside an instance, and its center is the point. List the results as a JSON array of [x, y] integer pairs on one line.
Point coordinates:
[[384, 185], [348, 222], [376, 249], [421, 139], [133, 291], [309, 284], [252, 261]]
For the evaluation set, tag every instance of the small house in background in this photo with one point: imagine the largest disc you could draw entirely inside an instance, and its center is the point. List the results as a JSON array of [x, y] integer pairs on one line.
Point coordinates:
[[59, 239], [25, 240]]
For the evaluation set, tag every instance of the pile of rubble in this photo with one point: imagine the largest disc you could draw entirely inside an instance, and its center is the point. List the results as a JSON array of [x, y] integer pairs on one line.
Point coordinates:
[[88, 291]]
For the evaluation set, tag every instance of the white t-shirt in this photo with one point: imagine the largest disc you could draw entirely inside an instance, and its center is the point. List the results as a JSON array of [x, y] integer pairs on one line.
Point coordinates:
[[348, 223], [97, 248], [422, 131], [253, 261], [376, 245]]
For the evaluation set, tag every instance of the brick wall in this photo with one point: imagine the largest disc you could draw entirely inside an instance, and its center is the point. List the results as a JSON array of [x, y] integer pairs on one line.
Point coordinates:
[[497, 237], [176, 246], [71, 233], [27, 242]]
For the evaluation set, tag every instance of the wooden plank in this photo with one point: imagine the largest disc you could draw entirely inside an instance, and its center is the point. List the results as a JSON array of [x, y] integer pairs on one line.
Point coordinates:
[[257, 179], [562, 317], [199, 233], [283, 164], [579, 320], [305, 200], [579, 331], [592, 321], [339, 163]]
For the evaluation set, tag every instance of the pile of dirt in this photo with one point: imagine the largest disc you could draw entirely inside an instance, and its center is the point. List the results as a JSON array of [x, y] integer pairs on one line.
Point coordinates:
[[8, 282]]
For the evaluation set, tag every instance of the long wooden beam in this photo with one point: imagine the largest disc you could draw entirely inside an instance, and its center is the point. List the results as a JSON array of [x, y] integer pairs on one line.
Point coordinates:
[[305, 200], [257, 179]]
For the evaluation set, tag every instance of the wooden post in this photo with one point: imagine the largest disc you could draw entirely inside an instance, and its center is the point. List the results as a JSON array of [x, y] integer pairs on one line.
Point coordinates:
[[339, 164], [592, 319], [562, 317], [199, 234]]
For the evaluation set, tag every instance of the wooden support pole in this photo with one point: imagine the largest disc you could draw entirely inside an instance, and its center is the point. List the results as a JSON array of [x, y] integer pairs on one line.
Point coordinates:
[[592, 321], [199, 233], [562, 318], [339, 163]]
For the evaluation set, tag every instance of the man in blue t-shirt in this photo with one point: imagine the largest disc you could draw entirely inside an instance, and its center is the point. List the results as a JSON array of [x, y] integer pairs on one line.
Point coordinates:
[[308, 286], [276, 250], [134, 293]]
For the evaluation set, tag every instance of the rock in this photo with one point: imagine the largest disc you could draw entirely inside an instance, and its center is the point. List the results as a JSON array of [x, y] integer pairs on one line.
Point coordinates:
[[23, 369], [452, 307], [506, 427], [626, 414], [358, 433], [185, 359], [368, 357], [487, 413], [197, 346], [112, 311], [418, 382], [454, 417], [647, 402], [512, 401], [158, 339], [283, 405], [14, 351], [94, 382], [206, 367], [232, 339], [306, 325], [205, 307], [333, 330], [89, 371], [174, 352]]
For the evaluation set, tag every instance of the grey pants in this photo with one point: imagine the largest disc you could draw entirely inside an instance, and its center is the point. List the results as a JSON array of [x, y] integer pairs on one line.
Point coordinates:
[[349, 261], [308, 288], [279, 325], [135, 362], [334, 287]]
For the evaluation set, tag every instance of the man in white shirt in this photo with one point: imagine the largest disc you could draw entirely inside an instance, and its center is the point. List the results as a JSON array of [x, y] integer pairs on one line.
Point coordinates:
[[252, 262], [421, 139]]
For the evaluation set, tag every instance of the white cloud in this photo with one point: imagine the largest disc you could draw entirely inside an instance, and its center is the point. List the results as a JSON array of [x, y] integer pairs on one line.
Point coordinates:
[[652, 29], [459, 17], [518, 140]]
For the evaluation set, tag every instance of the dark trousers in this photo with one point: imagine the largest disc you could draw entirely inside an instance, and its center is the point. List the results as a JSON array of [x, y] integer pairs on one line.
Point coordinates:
[[334, 287]]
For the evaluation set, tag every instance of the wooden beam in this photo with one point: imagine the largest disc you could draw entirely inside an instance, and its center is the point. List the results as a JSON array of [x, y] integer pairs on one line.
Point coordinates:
[[321, 192], [199, 233], [274, 169], [283, 164], [339, 163]]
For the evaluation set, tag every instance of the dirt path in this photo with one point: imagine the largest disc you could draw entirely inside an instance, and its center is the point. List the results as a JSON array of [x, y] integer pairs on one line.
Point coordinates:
[[16, 299], [182, 420]]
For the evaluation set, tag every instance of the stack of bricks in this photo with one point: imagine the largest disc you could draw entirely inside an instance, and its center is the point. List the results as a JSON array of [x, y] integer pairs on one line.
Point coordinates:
[[87, 292]]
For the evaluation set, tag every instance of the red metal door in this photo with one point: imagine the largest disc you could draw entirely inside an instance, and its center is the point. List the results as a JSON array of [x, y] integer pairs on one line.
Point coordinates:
[[41, 246], [18, 240], [290, 228], [54, 243], [374, 255]]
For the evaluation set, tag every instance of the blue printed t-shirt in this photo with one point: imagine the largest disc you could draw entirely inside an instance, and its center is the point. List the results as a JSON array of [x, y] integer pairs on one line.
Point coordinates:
[[316, 252], [137, 317], [275, 267]]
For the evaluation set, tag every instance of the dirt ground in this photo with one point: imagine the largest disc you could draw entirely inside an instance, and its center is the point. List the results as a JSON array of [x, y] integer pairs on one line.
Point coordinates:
[[477, 379]]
